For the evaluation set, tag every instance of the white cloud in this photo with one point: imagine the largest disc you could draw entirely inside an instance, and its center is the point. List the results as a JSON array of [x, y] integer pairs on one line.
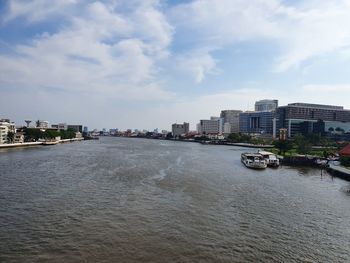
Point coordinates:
[[301, 32], [36, 10], [198, 64], [327, 88], [100, 51]]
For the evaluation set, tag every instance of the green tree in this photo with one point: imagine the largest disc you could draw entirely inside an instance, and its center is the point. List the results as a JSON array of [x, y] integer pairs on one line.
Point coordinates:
[[302, 144], [10, 137], [239, 137], [283, 146], [32, 134], [50, 134]]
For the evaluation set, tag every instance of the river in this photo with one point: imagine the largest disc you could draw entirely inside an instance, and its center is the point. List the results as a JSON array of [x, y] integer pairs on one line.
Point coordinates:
[[139, 200]]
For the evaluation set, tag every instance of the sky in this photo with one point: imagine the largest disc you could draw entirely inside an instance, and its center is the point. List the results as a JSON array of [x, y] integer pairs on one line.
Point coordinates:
[[145, 64]]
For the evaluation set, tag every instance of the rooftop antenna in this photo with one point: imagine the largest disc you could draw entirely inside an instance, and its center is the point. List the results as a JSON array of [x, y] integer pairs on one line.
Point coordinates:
[[28, 122]]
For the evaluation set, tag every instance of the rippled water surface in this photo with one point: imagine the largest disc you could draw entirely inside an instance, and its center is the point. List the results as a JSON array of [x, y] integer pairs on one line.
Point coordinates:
[[136, 200]]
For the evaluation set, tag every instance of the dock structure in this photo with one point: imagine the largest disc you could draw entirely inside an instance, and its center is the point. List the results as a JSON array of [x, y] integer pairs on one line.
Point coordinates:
[[338, 171]]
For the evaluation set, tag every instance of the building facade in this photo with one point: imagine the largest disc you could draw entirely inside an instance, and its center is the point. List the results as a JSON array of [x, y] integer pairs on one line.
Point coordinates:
[[231, 118], [179, 129], [3, 134], [212, 126], [266, 105], [42, 124], [256, 122], [308, 118]]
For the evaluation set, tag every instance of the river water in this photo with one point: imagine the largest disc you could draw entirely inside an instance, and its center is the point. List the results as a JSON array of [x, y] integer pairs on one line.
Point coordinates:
[[139, 200]]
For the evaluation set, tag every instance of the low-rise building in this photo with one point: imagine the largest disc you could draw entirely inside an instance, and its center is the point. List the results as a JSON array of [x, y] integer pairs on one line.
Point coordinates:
[[42, 124], [18, 137], [3, 134]]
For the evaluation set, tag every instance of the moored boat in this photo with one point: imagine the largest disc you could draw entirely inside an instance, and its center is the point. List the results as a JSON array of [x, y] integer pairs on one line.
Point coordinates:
[[50, 142], [253, 160], [271, 158]]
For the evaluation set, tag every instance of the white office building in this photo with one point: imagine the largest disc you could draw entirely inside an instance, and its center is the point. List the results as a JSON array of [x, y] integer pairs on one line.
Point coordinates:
[[212, 126], [42, 124], [3, 134]]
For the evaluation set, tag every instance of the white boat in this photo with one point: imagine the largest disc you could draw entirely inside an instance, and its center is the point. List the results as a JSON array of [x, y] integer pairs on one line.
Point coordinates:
[[253, 160], [271, 158], [50, 142]]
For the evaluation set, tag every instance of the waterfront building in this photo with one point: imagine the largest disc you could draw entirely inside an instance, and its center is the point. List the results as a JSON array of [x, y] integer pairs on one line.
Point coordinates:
[[60, 126], [266, 105], [230, 121], [256, 122], [227, 128], [10, 125], [3, 134], [306, 118], [180, 129], [85, 129], [212, 126], [18, 137], [42, 124]]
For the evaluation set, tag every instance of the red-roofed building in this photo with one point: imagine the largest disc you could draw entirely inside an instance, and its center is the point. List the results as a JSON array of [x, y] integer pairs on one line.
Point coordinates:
[[345, 151]]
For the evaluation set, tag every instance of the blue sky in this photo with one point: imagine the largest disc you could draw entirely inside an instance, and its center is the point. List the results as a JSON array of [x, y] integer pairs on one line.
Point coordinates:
[[148, 63]]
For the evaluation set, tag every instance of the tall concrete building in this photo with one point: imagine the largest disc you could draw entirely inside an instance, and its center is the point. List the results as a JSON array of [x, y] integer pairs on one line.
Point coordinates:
[[266, 105], [256, 122], [212, 126], [179, 129], [308, 118], [231, 118]]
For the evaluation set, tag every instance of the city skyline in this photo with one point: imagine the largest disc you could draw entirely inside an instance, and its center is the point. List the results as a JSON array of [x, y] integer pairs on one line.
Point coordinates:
[[148, 64]]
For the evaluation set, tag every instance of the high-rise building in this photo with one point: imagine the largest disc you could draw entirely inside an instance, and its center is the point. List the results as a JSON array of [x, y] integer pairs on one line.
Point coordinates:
[[312, 118], [266, 105], [212, 126], [230, 117], [256, 122], [179, 129]]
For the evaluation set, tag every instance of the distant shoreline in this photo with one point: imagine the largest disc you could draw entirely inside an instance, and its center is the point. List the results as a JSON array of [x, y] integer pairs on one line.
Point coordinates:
[[31, 144]]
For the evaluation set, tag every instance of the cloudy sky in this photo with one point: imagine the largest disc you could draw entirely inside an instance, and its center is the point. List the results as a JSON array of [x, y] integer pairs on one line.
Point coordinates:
[[149, 63]]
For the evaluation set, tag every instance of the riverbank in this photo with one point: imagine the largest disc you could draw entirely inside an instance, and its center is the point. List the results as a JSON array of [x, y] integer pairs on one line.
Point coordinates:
[[31, 144], [211, 142]]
